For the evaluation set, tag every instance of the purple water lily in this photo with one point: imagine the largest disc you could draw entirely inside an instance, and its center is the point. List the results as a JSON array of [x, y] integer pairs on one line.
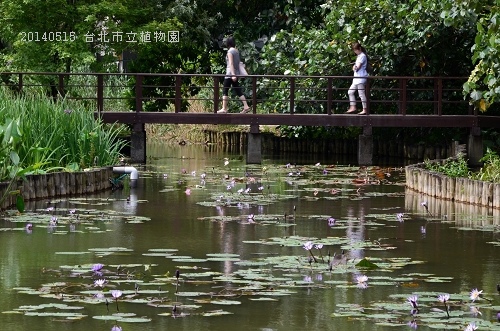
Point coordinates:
[[413, 301]]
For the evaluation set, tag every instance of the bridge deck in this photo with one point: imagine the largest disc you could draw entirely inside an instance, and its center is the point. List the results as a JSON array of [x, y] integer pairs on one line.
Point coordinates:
[[373, 120]]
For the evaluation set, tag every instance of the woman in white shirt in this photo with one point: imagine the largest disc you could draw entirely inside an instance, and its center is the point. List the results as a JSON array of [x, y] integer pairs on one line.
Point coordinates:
[[359, 80]]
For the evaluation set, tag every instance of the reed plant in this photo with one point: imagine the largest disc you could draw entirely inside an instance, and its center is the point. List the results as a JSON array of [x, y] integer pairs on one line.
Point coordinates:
[[53, 135]]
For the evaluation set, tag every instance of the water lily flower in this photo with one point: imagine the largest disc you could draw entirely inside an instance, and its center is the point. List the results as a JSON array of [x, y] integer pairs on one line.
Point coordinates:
[[29, 227], [226, 162], [399, 216], [498, 316], [229, 187], [308, 245], [443, 298], [413, 301], [288, 165], [240, 191], [471, 327], [116, 328], [331, 221], [475, 311], [290, 174], [361, 279], [413, 324], [116, 294], [325, 172], [260, 188], [317, 164], [308, 279], [50, 209], [203, 175], [319, 247], [188, 191], [423, 230], [474, 294], [53, 221], [72, 211], [248, 190], [250, 217], [99, 282], [97, 267], [99, 295], [424, 204]]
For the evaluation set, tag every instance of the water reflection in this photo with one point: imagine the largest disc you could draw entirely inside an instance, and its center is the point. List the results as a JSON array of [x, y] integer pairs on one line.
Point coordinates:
[[461, 214], [181, 221]]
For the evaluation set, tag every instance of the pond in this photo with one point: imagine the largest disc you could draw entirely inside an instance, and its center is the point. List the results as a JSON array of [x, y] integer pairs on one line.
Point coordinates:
[[207, 242]]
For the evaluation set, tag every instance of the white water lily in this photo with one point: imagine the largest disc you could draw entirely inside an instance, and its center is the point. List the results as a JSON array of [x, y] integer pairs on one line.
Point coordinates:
[[99, 282], [361, 279], [474, 294], [308, 245], [444, 298]]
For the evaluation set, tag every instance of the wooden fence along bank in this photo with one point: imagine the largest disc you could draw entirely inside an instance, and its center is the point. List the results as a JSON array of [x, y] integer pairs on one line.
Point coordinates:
[[440, 186], [56, 184]]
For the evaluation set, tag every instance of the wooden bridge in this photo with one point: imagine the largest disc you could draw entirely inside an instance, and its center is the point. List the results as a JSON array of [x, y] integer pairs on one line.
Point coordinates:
[[274, 99]]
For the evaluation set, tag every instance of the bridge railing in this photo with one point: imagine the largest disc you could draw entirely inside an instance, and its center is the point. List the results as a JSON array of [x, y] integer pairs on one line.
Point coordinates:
[[125, 92]]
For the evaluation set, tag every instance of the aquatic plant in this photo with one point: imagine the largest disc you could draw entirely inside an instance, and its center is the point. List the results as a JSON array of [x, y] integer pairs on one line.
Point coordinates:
[[49, 136], [443, 298], [474, 294]]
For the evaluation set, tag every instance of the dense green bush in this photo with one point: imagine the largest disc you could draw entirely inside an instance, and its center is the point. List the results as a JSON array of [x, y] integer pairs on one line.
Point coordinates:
[[40, 135], [457, 167], [453, 167]]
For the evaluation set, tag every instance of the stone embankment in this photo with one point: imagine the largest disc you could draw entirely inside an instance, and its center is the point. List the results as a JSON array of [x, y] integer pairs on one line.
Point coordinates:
[[464, 190], [56, 184]]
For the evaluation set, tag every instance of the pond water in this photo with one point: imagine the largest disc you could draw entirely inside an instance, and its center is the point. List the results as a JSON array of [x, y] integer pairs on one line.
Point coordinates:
[[236, 235]]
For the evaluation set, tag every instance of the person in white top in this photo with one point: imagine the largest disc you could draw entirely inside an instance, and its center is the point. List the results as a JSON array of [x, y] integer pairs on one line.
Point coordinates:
[[359, 80]]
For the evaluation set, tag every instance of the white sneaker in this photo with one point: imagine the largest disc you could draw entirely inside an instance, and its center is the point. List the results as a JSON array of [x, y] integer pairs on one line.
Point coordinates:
[[222, 111]]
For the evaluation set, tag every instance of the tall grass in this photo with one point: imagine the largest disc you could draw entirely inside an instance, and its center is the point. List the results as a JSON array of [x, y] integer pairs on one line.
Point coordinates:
[[54, 135]]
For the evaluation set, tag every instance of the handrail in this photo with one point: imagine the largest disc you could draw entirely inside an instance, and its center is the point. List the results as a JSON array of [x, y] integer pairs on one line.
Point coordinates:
[[330, 91]]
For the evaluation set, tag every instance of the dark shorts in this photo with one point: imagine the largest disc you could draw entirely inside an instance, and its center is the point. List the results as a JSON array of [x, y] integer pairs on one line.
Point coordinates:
[[228, 83]]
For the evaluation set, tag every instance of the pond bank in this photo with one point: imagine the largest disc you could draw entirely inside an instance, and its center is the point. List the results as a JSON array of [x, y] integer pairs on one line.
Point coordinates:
[[438, 185], [56, 184]]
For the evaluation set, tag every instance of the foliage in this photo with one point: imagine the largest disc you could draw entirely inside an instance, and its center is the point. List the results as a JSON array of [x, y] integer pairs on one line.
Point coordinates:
[[452, 167], [483, 85], [491, 168], [47, 135], [301, 37]]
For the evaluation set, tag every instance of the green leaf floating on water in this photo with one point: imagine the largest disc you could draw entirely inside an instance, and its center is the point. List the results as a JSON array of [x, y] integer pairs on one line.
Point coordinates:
[[364, 263]]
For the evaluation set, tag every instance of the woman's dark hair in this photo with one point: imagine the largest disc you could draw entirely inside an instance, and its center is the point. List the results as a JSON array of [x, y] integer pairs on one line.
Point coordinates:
[[230, 42], [357, 46]]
